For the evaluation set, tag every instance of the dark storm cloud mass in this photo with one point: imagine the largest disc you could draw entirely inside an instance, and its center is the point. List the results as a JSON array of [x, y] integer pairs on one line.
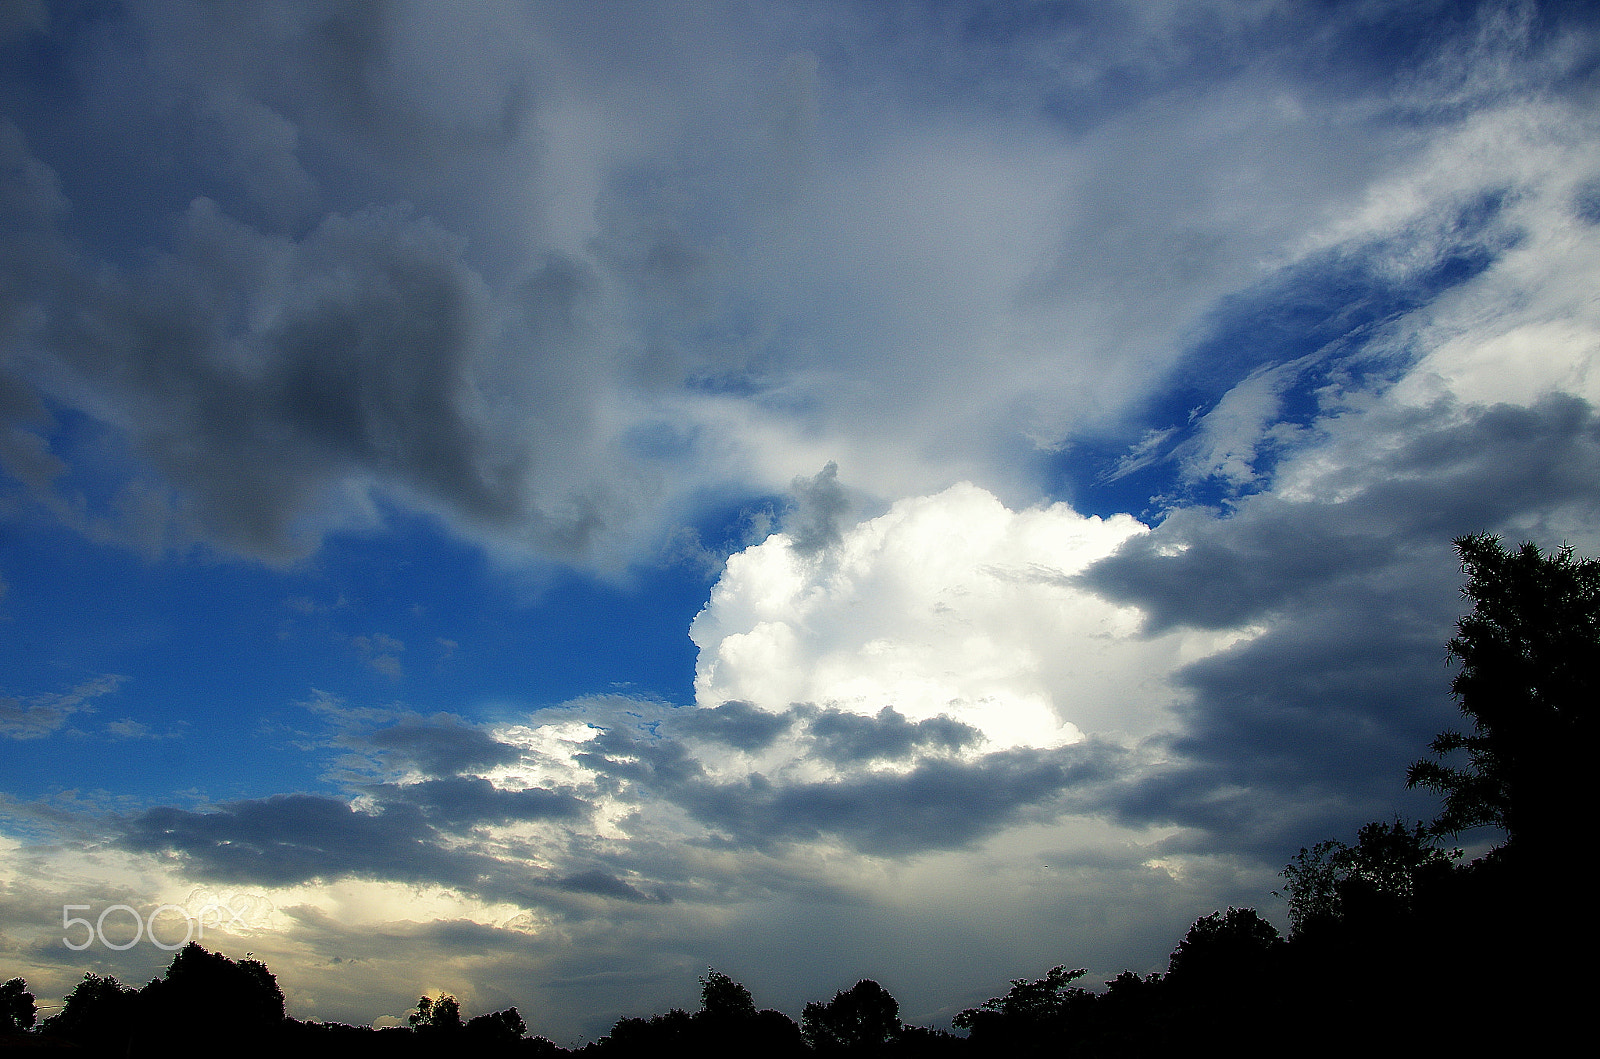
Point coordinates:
[[439, 746], [1437, 473], [252, 413], [850, 738], [819, 504], [937, 804], [1314, 719], [272, 374], [470, 801], [409, 833], [295, 838], [738, 724], [601, 884], [937, 801], [1291, 737], [221, 267]]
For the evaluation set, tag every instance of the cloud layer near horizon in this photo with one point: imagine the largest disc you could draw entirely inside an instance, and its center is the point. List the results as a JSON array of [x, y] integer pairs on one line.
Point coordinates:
[[1082, 402]]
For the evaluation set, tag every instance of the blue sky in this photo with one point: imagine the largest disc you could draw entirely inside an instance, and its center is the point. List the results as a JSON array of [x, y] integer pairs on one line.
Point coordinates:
[[537, 500]]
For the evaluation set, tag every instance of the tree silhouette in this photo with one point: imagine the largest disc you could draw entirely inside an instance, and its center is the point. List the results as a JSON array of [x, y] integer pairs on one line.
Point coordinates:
[[1382, 876], [17, 1010], [202, 988], [1529, 656], [1224, 949], [497, 1026], [861, 1018], [99, 1014], [729, 1024], [204, 999], [723, 998], [1030, 1014], [436, 1016]]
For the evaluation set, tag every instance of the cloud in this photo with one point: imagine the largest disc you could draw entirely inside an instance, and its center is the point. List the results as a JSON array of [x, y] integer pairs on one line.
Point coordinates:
[[601, 884], [1318, 281], [381, 652], [813, 524], [938, 804], [440, 745], [849, 738], [289, 839], [463, 801], [562, 300], [1226, 439], [950, 605], [1352, 504], [42, 715], [738, 724], [1344, 573], [128, 728]]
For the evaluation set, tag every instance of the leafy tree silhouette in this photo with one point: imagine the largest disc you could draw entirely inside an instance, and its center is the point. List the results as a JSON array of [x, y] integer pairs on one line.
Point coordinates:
[[207, 988], [727, 1024], [723, 998], [98, 1014], [859, 1019], [1385, 875], [1032, 1015], [17, 1010], [206, 999], [497, 1027], [436, 1016], [1223, 949], [1529, 656]]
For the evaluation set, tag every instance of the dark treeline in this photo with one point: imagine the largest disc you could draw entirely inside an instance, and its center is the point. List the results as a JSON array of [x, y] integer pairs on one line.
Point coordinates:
[[1394, 946]]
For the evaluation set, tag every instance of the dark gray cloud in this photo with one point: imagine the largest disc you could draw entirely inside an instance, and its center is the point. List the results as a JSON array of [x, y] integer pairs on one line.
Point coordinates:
[[641, 758], [462, 801], [266, 381], [740, 725], [1440, 473], [850, 738], [936, 799], [940, 802], [40, 715], [818, 507], [937, 804], [1304, 732], [364, 368], [289, 839], [602, 884], [1305, 729], [439, 746]]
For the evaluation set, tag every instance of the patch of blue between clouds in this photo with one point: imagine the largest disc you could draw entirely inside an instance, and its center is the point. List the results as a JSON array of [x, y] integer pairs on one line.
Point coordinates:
[[407, 619], [1329, 311]]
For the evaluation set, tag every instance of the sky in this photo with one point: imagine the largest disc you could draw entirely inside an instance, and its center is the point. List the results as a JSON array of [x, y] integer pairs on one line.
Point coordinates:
[[539, 500]]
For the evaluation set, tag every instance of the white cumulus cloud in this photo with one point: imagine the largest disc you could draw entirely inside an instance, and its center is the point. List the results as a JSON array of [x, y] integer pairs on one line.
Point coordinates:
[[949, 604]]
